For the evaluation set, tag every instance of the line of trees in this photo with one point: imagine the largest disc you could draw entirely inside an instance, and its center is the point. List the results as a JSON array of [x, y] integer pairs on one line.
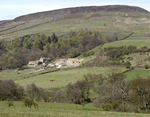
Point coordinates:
[[114, 92]]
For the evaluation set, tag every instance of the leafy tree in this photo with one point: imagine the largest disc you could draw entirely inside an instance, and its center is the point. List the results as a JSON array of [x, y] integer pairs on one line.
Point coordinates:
[[8, 89], [34, 92], [146, 67], [49, 40], [114, 89], [54, 38], [38, 44], [10, 103], [140, 95], [128, 64], [29, 103]]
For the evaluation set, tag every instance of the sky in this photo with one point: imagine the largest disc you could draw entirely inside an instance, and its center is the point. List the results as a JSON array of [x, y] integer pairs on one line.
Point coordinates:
[[9, 9]]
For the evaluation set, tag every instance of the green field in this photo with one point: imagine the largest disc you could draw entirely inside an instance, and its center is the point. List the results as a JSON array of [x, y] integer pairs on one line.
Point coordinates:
[[141, 72], [61, 78], [59, 110], [137, 43]]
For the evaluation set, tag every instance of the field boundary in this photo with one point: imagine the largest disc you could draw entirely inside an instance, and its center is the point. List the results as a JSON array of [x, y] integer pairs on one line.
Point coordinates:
[[37, 74]]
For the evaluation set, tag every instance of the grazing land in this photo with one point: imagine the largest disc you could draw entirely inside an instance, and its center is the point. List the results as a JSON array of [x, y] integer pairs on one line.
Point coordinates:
[[60, 110], [138, 43], [61, 78]]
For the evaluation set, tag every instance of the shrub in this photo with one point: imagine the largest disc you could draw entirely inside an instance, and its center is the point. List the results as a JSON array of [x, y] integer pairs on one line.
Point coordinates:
[[115, 63], [112, 63], [149, 58], [29, 103], [146, 67], [10, 103], [115, 105], [106, 106], [128, 64]]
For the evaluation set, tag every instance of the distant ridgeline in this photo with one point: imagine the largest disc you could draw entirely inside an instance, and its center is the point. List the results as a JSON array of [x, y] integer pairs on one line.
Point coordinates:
[[75, 10]]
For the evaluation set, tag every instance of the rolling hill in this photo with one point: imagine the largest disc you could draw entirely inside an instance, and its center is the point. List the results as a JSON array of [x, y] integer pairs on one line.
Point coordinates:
[[110, 19]]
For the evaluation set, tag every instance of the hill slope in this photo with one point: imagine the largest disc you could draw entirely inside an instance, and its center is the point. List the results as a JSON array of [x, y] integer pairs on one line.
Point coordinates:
[[118, 19], [108, 8]]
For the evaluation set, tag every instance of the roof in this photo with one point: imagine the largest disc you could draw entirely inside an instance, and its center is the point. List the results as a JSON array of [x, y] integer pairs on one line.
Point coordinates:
[[60, 59], [31, 62], [77, 60], [71, 59]]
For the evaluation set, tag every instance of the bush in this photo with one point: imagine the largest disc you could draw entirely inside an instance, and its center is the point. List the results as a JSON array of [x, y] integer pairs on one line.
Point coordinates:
[[86, 54], [115, 63], [106, 106], [10, 103], [149, 58], [128, 64], [115, 105], [146, 67], [29, 103]]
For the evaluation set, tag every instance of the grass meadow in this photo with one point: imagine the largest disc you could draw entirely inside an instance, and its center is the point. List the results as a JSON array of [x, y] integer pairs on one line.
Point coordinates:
[[137, 43], [63, 77], [59, 110]]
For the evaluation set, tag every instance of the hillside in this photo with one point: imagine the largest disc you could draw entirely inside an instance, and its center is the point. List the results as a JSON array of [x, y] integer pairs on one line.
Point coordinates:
[[53, 13], [120, 19]]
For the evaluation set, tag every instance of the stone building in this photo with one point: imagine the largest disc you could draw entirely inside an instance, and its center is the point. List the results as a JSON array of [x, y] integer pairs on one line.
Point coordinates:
[[60, 61], [44, 60], [72, 61]]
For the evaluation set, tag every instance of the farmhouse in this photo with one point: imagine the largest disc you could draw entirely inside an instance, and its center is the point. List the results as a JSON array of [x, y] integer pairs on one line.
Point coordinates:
[[60, 61], [32, 63], [41, 61], [72, 61], [45, 60]]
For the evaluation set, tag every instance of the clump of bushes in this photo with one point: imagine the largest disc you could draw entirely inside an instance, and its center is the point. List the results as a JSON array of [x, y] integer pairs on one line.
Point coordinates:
[[10, 103], [115, 63], [29, 103], [109, 106], [128, 64], [86, 54], [146, 67]]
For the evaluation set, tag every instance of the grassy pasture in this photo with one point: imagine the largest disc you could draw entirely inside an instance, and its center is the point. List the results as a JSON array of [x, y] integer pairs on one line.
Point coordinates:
[[61, 78], [137, 43], [60, 110], [141, 72], [13, 74]]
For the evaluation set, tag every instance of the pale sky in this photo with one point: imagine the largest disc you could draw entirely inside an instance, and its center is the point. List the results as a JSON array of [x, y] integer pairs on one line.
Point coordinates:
[[9, 9]]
